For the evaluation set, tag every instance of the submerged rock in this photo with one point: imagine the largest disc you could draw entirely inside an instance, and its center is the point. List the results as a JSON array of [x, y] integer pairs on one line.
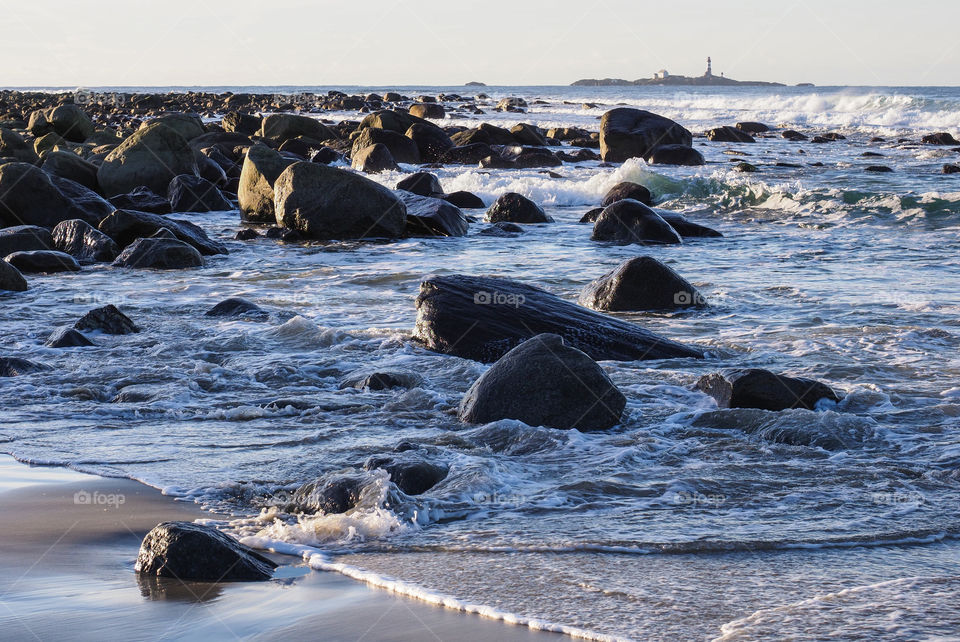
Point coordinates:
[[334, 494], [729, 135], [482, 318], [189, 551], [236, 307], [675, 155], [16, 367], [503, 230], [629, 221], [641, 283], [125, 227], [428, 216], [685, 227], [758, 388], [108, 320], [10, 279], [412, 474], [633, 133], [67, 338], [544, 382], [514, 208], [380, 380]]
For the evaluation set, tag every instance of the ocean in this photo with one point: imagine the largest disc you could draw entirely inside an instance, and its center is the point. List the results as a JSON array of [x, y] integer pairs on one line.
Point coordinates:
[[685, 521]]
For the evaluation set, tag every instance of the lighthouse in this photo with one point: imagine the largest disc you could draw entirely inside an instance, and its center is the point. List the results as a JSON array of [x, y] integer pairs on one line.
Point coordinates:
[[709, 68]]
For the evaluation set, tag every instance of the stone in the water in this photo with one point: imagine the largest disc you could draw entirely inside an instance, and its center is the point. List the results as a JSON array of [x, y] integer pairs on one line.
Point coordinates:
[[125, 227], [951, 169], [411, 473], [428, 216], [42, 262], [428, 110], [675, 155], [159, 253], [422, 184], [380, 380], [527, 134], [641, 283], [431, 141], [464, 200], [940, 138], [108, 320], [67, 338], [374, 159], [189, 551], [29, 197], [236, 307], [151, 158], [10, 279], [283, 127], [482, 318], [246, 234], [592, 215], [729, 135], [23, 238], [753, 128], [685, 227], [330, 495], [402, 149], [142, 199], [544, 382], [84, 242], [794, 136], [758, 388], [880, 169], [261, 168], [328, 203], [633, 133], [503, 229], [745, 167], [627, 189], [16, 367], [515, 208], [630, 221], [188, 193]]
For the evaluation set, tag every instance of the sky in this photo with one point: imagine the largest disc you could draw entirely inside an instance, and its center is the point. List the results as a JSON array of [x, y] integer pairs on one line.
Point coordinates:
[[65, 43]]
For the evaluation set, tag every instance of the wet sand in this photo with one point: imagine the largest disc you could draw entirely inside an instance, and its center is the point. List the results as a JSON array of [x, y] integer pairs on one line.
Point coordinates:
[[68, 542]]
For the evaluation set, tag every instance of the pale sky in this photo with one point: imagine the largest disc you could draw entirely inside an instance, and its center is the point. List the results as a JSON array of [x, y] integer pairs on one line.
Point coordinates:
[[519, 42]]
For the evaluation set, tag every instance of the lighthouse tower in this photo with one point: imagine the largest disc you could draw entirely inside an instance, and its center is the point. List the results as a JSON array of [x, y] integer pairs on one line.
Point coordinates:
[[709, 68]]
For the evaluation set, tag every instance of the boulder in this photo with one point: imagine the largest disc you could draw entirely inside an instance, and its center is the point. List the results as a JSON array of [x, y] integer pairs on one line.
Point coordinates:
[[325, 155], [592, 215], [752, 128], [236, 307], [24, 238], [235, 122], [757, 388], [68, 121], [70, 166], [67, 338], [528, 157], [380, 380], [402, 149], [189, 126], [84, 202], [10, 279], [283, 127], [503, 230], [16, 367], [482, 318], [29, 197], [427, 216], [84, 242], [142, 199], [675, 155], [794, 136], [466, 154], [150, 158], [188, 193], [627, 189], [391, 119], [329, 203], [544, 382], [428, 110], [159, 253], [193, 552], [940, 138], [45, 144], [634, 133], [422, 184], [125, 227], [374, 159], [261, 168], [42, 262], [880, 169], [13, 146], [951, 169], [629, 221], [108, 320], [464, 200], [528, 135], [329, 495], [411, 473], [484, 133], [728, 134], [515, 208], [685, 227], [431, 141], [641, 283]]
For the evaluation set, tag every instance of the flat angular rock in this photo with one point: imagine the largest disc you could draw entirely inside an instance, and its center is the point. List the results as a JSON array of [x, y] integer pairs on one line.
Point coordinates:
[[107, 319], [16, 367], [67, 338], [428, 216]]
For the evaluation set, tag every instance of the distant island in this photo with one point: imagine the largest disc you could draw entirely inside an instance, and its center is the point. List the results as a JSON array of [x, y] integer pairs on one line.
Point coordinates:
[[663, 77], [474, 83]]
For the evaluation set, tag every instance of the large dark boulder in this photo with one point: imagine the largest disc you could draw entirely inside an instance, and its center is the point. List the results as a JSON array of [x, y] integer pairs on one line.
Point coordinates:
[[159, 253], [428, 110], [466, 154], [42, 262], [261, 168], [24, 238], [331, 494], [236, 307], [188, 193], [193, 552], [482, 318], [70, 166], [728, 134], [10, 278], [380, 380], [283, 127], [142, 199], [528, 135], [85, 204], [757, 388], [125, 227], [515, 208], [544, 382], [28, 197], [465, 200], [427, 216], [67, 338], [239, 123], [328, 203], [412, 474], [12, 145], [392, 119], [627, 189], [190, 126], [403, 149], [17, 367], [641, 283], [940, 138], [484, 133], [151, 157], [422, 184], [675, 155], [107, 319], [753, 128], [431, 141], [634, 133], [629, 221], [69, 121], [84, 242], [374, 159], [685, 227]]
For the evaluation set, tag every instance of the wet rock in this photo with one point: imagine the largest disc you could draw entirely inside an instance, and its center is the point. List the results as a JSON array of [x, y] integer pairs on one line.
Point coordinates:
[[125, 227], [374, 159], [29, 197], [142, 199], [190, 126], [753, 128], [675, 155], [630, 221], [641, 283], [331, 495], [84, 242], [482, 318], [757, 388], [394, 120], [108, 320], [12, 145], [246, 234], [687, 228], [627, 189], [794, 136], [633, 133], [23, 238], [70, 166], [42, 262], [240, 123], [85, 204], [189, 551], [940, 138], [428, 110], [592, 215], [188, 193], [528, 135], [745, 167], [329, 203], [159, 253], [402, 149], [515, 208], [503, 230], [10, 279], [951, 169], [261, 168], [411, 473], [325, 155], [528, 157], [151, 158], [236, 307], [422, 184], [69, 121], [67, 338], [466, 154], [431, 141], [17, 367], [464, 200], [544, 382], [283, 127], [729, 135], [484, 133], [880, 169], [428, 216]]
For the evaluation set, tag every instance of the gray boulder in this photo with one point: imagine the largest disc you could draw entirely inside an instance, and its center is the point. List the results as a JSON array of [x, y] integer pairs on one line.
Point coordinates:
[[151, 158], [84, 242], [758, 388], [675, 155], [515, 208], [427, 216], [12, 145], [629, 221], [159, 253], [633, 133], [403, 149], [69, 121], [107, 319], [69, 165], [431, 141], [42, 262], [188, 193], [28, 197], [10, 278], [67, 338], [283, 127], [188, 551], [374, 159], [641, 283], [16, 367], [23, 238], [728, 134], [261, 168], [125, 227]]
